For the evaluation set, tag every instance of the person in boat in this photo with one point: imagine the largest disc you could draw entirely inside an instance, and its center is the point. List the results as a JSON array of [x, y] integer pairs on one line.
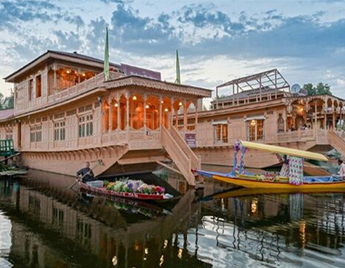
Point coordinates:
[[86, 173], [342, 169]]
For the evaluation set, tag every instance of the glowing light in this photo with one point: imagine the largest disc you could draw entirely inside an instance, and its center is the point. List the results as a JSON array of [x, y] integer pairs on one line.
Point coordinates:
[[165, 243], [179, 254], [166, 110], [134, 97], [162, 102], [301, 109], [252, 123], [180, 104], [147, 106], [161, 260], [114, 260], [116, 105], [83, 74], [146, 251], [254, 206], [68, 71]]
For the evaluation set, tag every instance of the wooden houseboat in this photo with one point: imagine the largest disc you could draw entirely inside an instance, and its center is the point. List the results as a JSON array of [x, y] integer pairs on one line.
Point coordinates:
[[65, 113]]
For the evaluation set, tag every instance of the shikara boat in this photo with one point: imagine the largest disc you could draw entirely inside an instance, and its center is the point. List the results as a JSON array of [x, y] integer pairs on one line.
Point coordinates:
[[100, 189], [289, 179]]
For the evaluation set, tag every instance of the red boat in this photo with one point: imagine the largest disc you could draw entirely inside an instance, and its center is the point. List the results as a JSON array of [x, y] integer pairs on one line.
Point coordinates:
[[140, 196]]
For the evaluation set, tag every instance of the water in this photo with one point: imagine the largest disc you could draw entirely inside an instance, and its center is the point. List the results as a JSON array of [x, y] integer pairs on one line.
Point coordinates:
[[44, 225]]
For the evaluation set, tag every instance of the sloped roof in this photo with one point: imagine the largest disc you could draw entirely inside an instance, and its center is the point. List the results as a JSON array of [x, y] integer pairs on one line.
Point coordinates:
[[5, 114], [68, 56]]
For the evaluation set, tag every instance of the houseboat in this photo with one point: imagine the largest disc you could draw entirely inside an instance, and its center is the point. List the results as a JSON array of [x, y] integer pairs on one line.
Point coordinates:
[[66, 113]]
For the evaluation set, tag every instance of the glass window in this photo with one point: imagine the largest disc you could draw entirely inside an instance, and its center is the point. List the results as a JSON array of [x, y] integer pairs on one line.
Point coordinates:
[[255, 130], [221, 133]]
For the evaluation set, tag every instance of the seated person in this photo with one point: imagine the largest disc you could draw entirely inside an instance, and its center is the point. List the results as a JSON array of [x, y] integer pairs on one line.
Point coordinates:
[[342, 169], [86, 173]]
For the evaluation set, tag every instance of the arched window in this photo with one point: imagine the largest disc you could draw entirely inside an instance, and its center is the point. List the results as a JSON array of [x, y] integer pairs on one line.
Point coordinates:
[[136, 111], [152, 112], [114, 112]]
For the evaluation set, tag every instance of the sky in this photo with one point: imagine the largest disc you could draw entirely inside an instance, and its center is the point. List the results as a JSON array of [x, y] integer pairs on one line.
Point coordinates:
[[217, 40]]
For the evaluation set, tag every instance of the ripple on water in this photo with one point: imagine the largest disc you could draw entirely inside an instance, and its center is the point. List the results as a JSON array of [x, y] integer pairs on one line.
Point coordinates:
[[5, 240]]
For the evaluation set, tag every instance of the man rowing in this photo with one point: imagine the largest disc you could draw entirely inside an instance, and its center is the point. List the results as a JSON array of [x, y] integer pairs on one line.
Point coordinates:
[[86, 173]]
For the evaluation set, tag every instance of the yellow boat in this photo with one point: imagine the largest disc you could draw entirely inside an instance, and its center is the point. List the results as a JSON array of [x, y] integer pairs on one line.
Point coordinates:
[[290, 178]]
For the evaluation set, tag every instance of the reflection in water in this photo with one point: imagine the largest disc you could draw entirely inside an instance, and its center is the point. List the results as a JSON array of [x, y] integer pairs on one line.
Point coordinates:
[[46, 226]]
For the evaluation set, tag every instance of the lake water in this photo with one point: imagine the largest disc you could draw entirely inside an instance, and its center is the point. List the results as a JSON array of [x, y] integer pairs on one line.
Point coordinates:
[[43, 225]]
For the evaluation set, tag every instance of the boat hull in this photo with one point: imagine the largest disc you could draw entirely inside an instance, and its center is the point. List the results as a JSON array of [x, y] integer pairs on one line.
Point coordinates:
[[253, 182], [103, 191]]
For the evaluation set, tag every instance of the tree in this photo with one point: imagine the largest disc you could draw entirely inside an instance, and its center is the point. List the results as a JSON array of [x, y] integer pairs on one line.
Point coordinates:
[[320, 89], [10, 103], [1, 100]]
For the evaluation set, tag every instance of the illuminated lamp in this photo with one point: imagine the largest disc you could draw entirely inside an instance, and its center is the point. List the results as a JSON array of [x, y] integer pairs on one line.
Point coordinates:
[[147, 106], [83, 74], [252, 123], [134, 97], [68, 71], [180, 104], [116, 105], [162, 102], [166, 110]]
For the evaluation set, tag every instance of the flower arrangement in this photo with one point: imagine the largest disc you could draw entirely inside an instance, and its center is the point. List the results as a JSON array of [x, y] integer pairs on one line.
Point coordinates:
[[133, 186]]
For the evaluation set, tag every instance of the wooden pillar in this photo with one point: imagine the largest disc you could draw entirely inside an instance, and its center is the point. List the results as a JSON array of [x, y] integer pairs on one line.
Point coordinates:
[[315, 115], [127, 111], [118, 113], [160, 111], [145, 98], [172, 112], [260, 89], [285, 119], [196, 116], [185, 122], [54, 82], [110, 119], [333, 119]]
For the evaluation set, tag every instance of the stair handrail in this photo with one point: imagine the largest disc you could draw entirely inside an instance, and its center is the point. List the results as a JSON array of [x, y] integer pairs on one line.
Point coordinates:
[[196, 163], [183, 162]]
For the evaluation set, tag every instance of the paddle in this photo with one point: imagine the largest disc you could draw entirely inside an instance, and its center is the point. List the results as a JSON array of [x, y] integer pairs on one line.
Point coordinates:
[[99, 162]]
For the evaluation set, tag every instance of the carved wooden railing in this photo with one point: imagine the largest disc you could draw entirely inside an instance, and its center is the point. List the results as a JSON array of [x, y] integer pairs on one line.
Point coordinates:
[[336, 142], [182, 161], [196, 163]]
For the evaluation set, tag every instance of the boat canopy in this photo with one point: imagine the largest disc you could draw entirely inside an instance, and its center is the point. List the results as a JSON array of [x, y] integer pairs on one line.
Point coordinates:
[[283, 150]]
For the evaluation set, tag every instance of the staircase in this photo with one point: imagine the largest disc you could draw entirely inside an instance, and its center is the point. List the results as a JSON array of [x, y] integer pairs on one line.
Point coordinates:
[[336, 142], [180, 153]]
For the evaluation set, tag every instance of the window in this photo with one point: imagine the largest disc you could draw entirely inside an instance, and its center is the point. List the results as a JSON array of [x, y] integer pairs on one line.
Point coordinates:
[[221, 133], [31, 92], [255, 130], [36, 133], [280, 123], [38, 86], [85, 125], [59, 131]]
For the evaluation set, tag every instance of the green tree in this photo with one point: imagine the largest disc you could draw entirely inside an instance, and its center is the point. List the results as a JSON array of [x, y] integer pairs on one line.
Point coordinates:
[[10, 103], [320, 89], [1, 101]]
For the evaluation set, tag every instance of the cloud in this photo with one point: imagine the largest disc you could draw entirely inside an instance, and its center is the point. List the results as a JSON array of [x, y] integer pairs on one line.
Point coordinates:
[[14, 13], [68, 41]]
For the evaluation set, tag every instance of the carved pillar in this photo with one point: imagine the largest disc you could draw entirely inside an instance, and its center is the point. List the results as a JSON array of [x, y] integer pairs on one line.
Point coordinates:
[[110, 119], [185, 108], [145, 98], [127, 110], [172, 112], [118, 112], [54, 82], [196, 116], [315, 115], [160, 111]]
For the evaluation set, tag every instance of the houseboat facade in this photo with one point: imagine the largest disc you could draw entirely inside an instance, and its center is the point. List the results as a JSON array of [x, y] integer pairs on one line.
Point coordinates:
[[262, 108], [66, 114]]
